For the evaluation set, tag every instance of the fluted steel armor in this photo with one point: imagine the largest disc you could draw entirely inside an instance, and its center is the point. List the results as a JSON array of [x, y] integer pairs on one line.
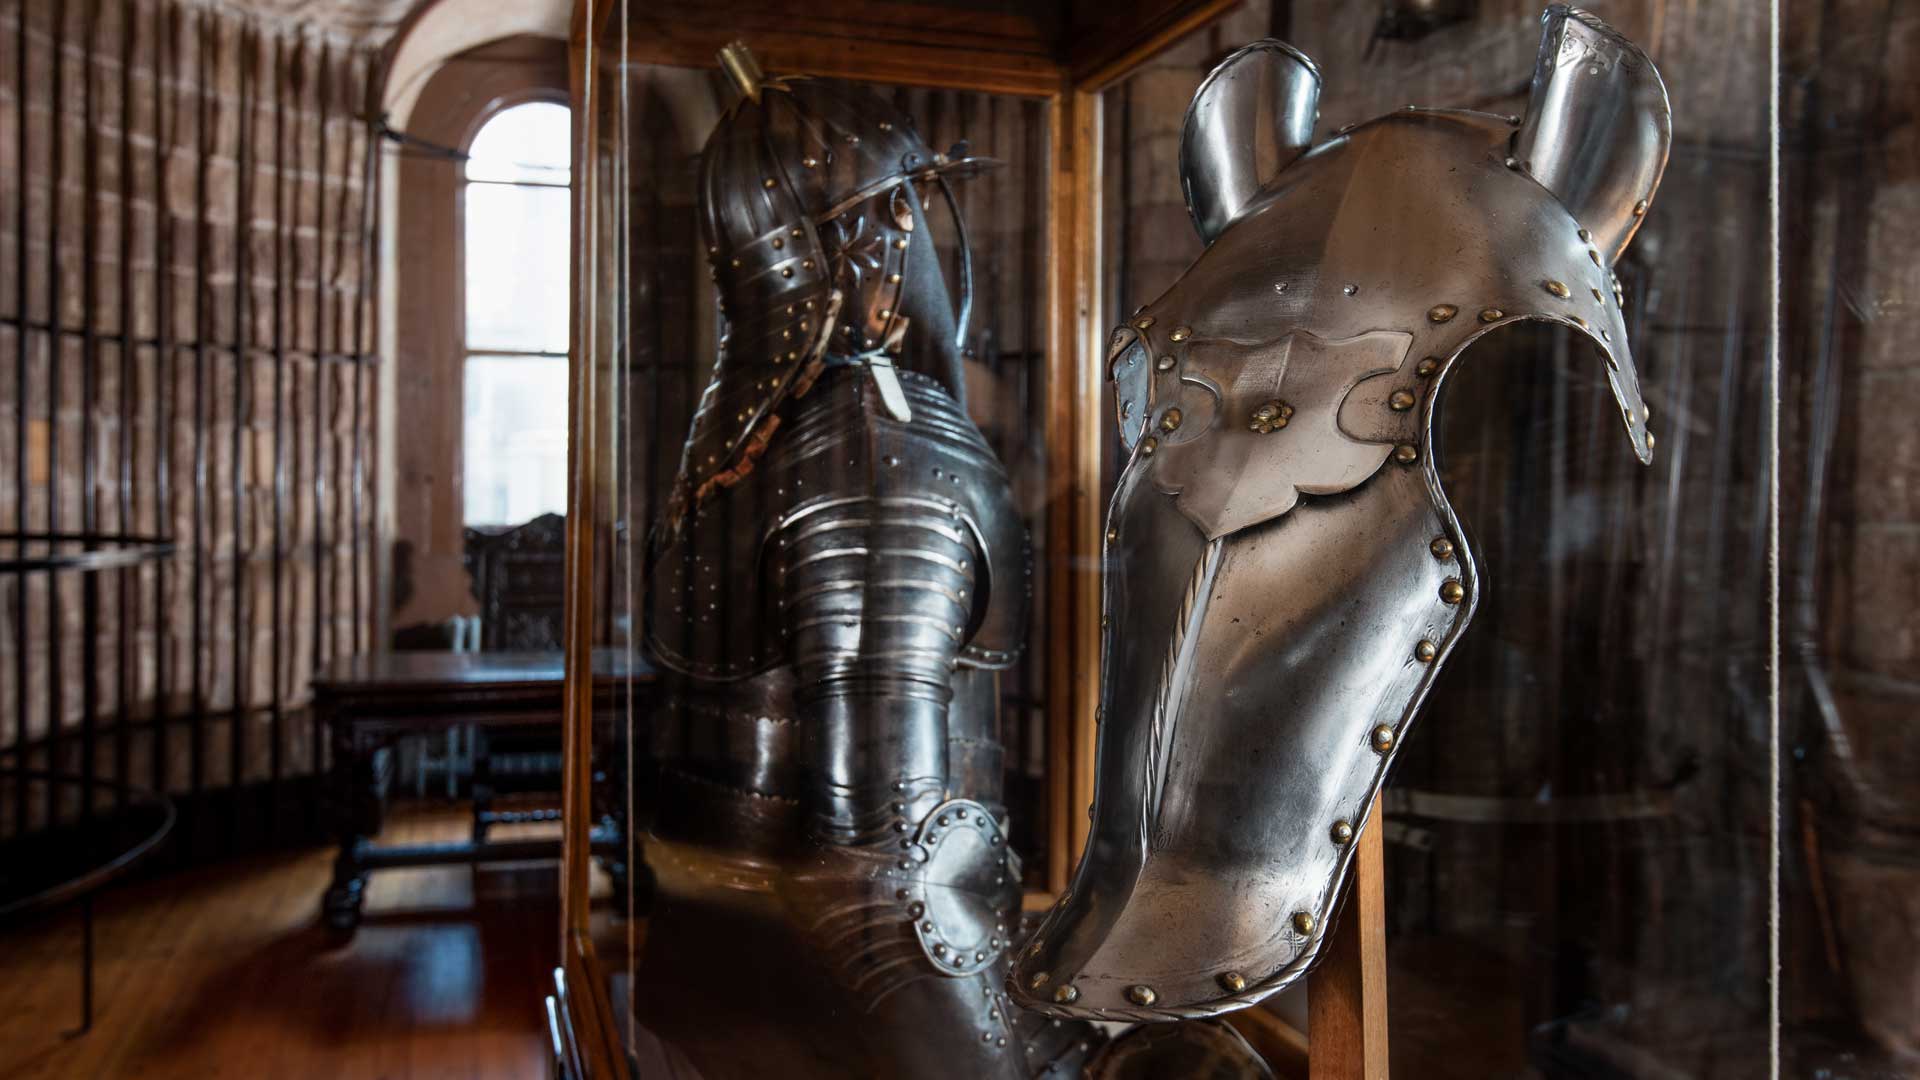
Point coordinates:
[[839, 576], [1285, 574]]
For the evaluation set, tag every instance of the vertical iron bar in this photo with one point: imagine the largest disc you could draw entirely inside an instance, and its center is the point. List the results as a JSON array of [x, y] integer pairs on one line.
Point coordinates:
[[125, 580], [166, 107], [319, 392], [20, 475], [369, 152], [276, 761], [56, 699], [242, 370], [203, 304], [89, 391]]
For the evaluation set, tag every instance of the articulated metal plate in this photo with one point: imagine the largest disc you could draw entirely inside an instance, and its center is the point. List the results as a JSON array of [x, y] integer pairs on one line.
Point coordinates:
[[1285, 575]]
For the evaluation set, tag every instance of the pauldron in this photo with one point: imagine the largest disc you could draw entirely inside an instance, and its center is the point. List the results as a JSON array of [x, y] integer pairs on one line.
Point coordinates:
[[1284, 573]]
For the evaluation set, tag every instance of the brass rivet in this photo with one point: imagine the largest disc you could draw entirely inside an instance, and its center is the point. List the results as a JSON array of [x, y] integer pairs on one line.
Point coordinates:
[[1580, 322], [806, 264], [1142, 995], [1143, 322], [1492, 314], [886, 125], [886, 313], [1425, 651], [1585, 236], [1113, 533], [1559, 289], [1165, 363], [893, 279], [1383, 738], [808, 162], [1600, 296], [1427, 367], [1441, 547], [1342, 833], [786, 271], [1442, 313], [1067, 994], [1650, 440], [1170, 420], [1302, 922], [1640, 208], [1039, 980], [1148, 445], [767, 183], [1270, 416], [1231, 981], [1595, 256], [900, 244], [1400, 401], [1180, 333], [778, 243], [1405, 454], [1452, 592]]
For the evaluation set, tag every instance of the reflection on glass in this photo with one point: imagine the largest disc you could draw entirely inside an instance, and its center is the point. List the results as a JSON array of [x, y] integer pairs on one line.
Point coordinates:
[[516, 438]]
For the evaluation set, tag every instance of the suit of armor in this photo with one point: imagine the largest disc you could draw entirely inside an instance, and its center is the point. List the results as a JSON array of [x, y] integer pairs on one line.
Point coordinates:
[[1285, 574], [838, 577]]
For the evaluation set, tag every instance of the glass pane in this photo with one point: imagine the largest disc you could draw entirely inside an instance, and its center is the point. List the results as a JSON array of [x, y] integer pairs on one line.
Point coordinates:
[[517, 280], [527, 144], [515, 439], [1850, 542]]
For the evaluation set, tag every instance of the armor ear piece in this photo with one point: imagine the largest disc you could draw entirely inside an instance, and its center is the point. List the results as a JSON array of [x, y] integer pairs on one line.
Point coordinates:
[[1598, 126], [1252, 116]]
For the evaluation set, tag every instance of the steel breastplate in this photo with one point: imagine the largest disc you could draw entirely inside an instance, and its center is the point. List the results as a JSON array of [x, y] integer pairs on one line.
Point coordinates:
[[1285, 574]]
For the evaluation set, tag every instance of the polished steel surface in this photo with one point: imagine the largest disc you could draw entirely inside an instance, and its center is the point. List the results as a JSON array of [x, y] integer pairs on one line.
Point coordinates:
[[1285, 575], [1250, 118], [838, 582]]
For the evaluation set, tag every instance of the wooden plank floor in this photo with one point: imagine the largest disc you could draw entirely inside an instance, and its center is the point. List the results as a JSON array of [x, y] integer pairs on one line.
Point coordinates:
[[226, 972]]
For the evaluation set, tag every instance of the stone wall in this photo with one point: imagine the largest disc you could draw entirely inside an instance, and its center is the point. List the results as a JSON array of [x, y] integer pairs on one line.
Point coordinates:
[[184, 354]]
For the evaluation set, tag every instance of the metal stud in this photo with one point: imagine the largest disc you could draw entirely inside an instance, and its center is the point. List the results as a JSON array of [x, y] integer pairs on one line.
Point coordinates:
[[1342, 832], [1231, 981], [893, 279], [1600, 296], [786, 271], [1143, 322], [1400, 401], [1113, 533], [1148, 445], [916, 909], [808, 162], [1383, 738], [767, 183], [778, 243], [1640, 208], [1351, 290], [1559, 289], [1302, 922], [1427, 367], [900, 244], [1595, 256], [1492, 314], [1170, 420], [1586, 237], [1270, 416], [1066, 994], [1425, 651], [1180, 333], [1142, 995], [1406, 454], [1440, 313], [1039, 980], [1165, 363], [1452, 592], [1441, 547]]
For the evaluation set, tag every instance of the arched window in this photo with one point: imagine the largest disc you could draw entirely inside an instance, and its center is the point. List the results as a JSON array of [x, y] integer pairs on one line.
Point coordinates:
[[514, 442]]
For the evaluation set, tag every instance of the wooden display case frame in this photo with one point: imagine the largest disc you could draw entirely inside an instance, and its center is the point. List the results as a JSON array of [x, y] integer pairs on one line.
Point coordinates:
[[915, 44]]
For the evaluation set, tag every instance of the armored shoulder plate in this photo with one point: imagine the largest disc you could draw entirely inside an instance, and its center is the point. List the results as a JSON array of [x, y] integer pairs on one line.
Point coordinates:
[[1285, 574]]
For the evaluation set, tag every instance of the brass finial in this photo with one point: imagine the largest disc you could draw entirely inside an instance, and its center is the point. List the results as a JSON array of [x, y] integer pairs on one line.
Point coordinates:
[[738, 62]]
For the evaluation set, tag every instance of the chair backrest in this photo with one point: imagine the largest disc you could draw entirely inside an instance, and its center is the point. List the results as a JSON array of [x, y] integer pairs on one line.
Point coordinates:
[[518, 576]]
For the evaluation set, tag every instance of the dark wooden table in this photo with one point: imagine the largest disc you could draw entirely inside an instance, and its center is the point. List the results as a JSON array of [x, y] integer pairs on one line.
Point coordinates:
[[369, 701]]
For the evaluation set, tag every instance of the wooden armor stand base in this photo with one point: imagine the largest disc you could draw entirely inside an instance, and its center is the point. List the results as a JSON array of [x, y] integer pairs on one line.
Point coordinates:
[[1347, 993]]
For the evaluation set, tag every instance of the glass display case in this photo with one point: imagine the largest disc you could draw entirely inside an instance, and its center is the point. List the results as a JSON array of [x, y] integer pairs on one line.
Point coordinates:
[[1657, 816]]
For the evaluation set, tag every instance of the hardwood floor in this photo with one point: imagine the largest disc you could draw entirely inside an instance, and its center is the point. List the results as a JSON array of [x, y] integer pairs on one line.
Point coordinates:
[[226, 972]]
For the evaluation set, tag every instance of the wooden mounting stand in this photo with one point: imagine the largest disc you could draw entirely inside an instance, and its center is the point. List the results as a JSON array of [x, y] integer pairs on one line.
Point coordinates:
[[1347, 993]]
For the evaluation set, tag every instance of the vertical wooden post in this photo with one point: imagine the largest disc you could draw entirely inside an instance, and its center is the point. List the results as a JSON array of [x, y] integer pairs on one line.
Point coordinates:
[[1347, 993]]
